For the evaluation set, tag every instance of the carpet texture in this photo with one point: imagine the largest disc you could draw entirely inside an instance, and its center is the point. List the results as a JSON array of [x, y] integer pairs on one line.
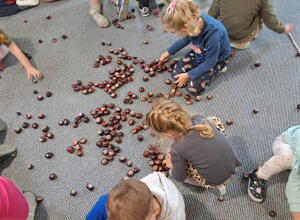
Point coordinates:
[[272, 88]]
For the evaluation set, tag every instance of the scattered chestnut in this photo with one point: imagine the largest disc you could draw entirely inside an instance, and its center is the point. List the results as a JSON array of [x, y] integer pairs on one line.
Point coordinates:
[[25, 125], [40, 97], [130, 173], [35, 125], [79, 153], [209, 97], [104, 161], [35, 92], [45, 128], [82, 140], [298, 106], [140, 137], [255, 110], [232, 53], [141, 89], [19, 113], [187, 97], [128, 163], [257, 64], [50, 135], [221, 198], [48, 16], [122, 159], [136, 170], [197, 98], [146, 154], [90, 187], [64, 36], [29, 166], [272, 213], [229, 122], [42, 139], [28, 116], [52, 176], [188, 102], [145, 42], [41, 116], [70, 149], [48, 94], [49, 155], [73, 192]]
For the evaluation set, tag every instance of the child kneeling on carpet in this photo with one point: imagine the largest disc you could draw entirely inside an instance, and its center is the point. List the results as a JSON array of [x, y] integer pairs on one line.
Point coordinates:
[[7, 45], [200, 155], [210, 45], [153, 197], [286, 149]]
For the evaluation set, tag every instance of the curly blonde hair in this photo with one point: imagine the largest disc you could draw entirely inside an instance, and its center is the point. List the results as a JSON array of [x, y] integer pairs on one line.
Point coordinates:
[[167, 115], [185, 15]]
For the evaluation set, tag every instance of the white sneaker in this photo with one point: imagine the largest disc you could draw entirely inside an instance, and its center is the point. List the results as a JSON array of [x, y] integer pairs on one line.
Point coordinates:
[[28, 3], [99, 18]]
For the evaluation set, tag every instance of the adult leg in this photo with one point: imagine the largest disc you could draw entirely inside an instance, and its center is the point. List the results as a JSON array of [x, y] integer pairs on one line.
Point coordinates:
[[95, 11], [282, 160]]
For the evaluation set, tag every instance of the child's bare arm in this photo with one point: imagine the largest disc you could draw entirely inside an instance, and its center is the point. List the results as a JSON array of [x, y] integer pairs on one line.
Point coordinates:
[[31, 71]]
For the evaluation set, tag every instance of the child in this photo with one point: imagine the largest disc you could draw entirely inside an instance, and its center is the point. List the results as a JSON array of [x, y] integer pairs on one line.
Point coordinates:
[[286, 149], [154, 197], [211, 157], [6, 45], [13, 204], [243, 19], [210, 45]]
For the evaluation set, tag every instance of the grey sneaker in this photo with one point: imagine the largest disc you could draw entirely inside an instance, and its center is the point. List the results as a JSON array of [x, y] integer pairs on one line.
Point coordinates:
[[256, 187], [122, 9]]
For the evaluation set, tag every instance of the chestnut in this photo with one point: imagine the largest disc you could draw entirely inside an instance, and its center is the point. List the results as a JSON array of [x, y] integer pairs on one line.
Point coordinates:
[[151, 163], [145, 79], [18, 130], [42, 139], [90, 187], [131, 122], [160, 157], [70, 149], [187, 97], [74, 142], [152, 134], [82, 140], [50, 135], [40, 97], [188, 102], [149, 27], [122, 159], [232, 53], [298, 106], [104, 161], [128, 163], [197, 98], [155, 168], [130, 173], [52, 176], [105, 151], [78, 147], [257, 64], [146, 154], [28, 116], [49, 155], [19, 113], [136, 169], [48, 94], [272, 213], [140, 137], [79, 153], [229, 122], [255, 110], [73, 192], [45, 128], [29, 166], [61, 122], [41, 116], [66, 121], [118, 140], [221, 198], [145, 42], [85, 119], [109, 157], [48, 16], [209, 97], [25, 125], [64, 36]]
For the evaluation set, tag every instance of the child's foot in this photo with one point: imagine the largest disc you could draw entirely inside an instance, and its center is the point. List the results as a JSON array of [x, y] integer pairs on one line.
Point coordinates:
[[161, 2], [6, 149], [27, 3], [123, 9], [30, 198], [1, 65], [99, 18], [256, 187], [144, 10]]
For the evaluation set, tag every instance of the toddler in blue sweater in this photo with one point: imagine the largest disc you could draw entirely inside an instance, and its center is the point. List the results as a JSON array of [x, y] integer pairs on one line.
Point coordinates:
[[210, 45]]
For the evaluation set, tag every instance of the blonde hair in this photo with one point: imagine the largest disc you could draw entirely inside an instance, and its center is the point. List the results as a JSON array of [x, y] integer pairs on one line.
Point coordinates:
[[184, 15], [130, 199], [167, 115]]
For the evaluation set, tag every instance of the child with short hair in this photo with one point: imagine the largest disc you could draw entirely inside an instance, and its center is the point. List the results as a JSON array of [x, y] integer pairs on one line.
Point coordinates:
[[210, 45], [286, 149], [153, 197], [243, 19], [200, 154], [7, 45]]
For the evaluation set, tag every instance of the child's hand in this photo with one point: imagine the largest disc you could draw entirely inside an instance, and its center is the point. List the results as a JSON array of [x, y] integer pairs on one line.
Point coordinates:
[[165, 56], [288, 28], [168, 159], [31, 71], [205, 11], [181, 79]]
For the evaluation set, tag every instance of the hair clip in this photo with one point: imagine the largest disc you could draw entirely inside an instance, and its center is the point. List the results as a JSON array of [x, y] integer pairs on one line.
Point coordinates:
[[172, 7]]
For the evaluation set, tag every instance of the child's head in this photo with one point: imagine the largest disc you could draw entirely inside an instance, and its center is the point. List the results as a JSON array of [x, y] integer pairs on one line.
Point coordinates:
[[179, 15], [167, 118], [130, 199]]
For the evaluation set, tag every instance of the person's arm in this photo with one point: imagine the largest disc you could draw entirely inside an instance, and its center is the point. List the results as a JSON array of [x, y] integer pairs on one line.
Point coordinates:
[[214, 10], [178, 163], [98, 211], [211, 57], [178, 45], [270, 18], [31, 71]]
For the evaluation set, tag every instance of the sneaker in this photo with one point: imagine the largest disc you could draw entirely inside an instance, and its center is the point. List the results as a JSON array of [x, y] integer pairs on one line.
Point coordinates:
[[29, 3], [1, 65], [224, 69], [240, 46], [30, 198], [256, 187], [122, 9], [161, 2], [144, 10], [99, 18]]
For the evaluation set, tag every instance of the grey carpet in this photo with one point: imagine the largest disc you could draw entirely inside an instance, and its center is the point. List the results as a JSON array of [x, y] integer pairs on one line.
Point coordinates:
[[273, 88]]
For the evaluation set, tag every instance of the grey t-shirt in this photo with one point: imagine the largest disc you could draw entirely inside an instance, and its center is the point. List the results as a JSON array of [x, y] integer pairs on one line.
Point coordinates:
[[214, 158]]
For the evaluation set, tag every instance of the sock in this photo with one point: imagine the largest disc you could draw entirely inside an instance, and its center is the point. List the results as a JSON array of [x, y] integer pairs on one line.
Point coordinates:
[[3, 51], [95, 4]]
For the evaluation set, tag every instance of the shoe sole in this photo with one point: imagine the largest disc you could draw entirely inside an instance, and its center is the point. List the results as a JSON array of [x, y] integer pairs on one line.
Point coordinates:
[[251, 196], [123, 11]]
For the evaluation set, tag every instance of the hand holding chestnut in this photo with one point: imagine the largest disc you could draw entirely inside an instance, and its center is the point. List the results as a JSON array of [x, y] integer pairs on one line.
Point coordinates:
[[165, 56]]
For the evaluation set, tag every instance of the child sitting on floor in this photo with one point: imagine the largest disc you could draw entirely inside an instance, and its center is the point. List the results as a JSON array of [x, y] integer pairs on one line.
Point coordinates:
[[286, 149], [210, 45], [200, 154], [243, 19], [7, 45], [154, 197]]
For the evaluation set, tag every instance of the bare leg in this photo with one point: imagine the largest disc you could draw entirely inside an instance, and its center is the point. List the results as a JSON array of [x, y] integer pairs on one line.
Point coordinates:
[[95, 4], [296, 215]]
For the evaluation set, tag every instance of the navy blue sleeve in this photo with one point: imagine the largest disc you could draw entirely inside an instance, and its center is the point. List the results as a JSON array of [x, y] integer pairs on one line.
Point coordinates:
[[178, 45], [98, 212], [211, 58]]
